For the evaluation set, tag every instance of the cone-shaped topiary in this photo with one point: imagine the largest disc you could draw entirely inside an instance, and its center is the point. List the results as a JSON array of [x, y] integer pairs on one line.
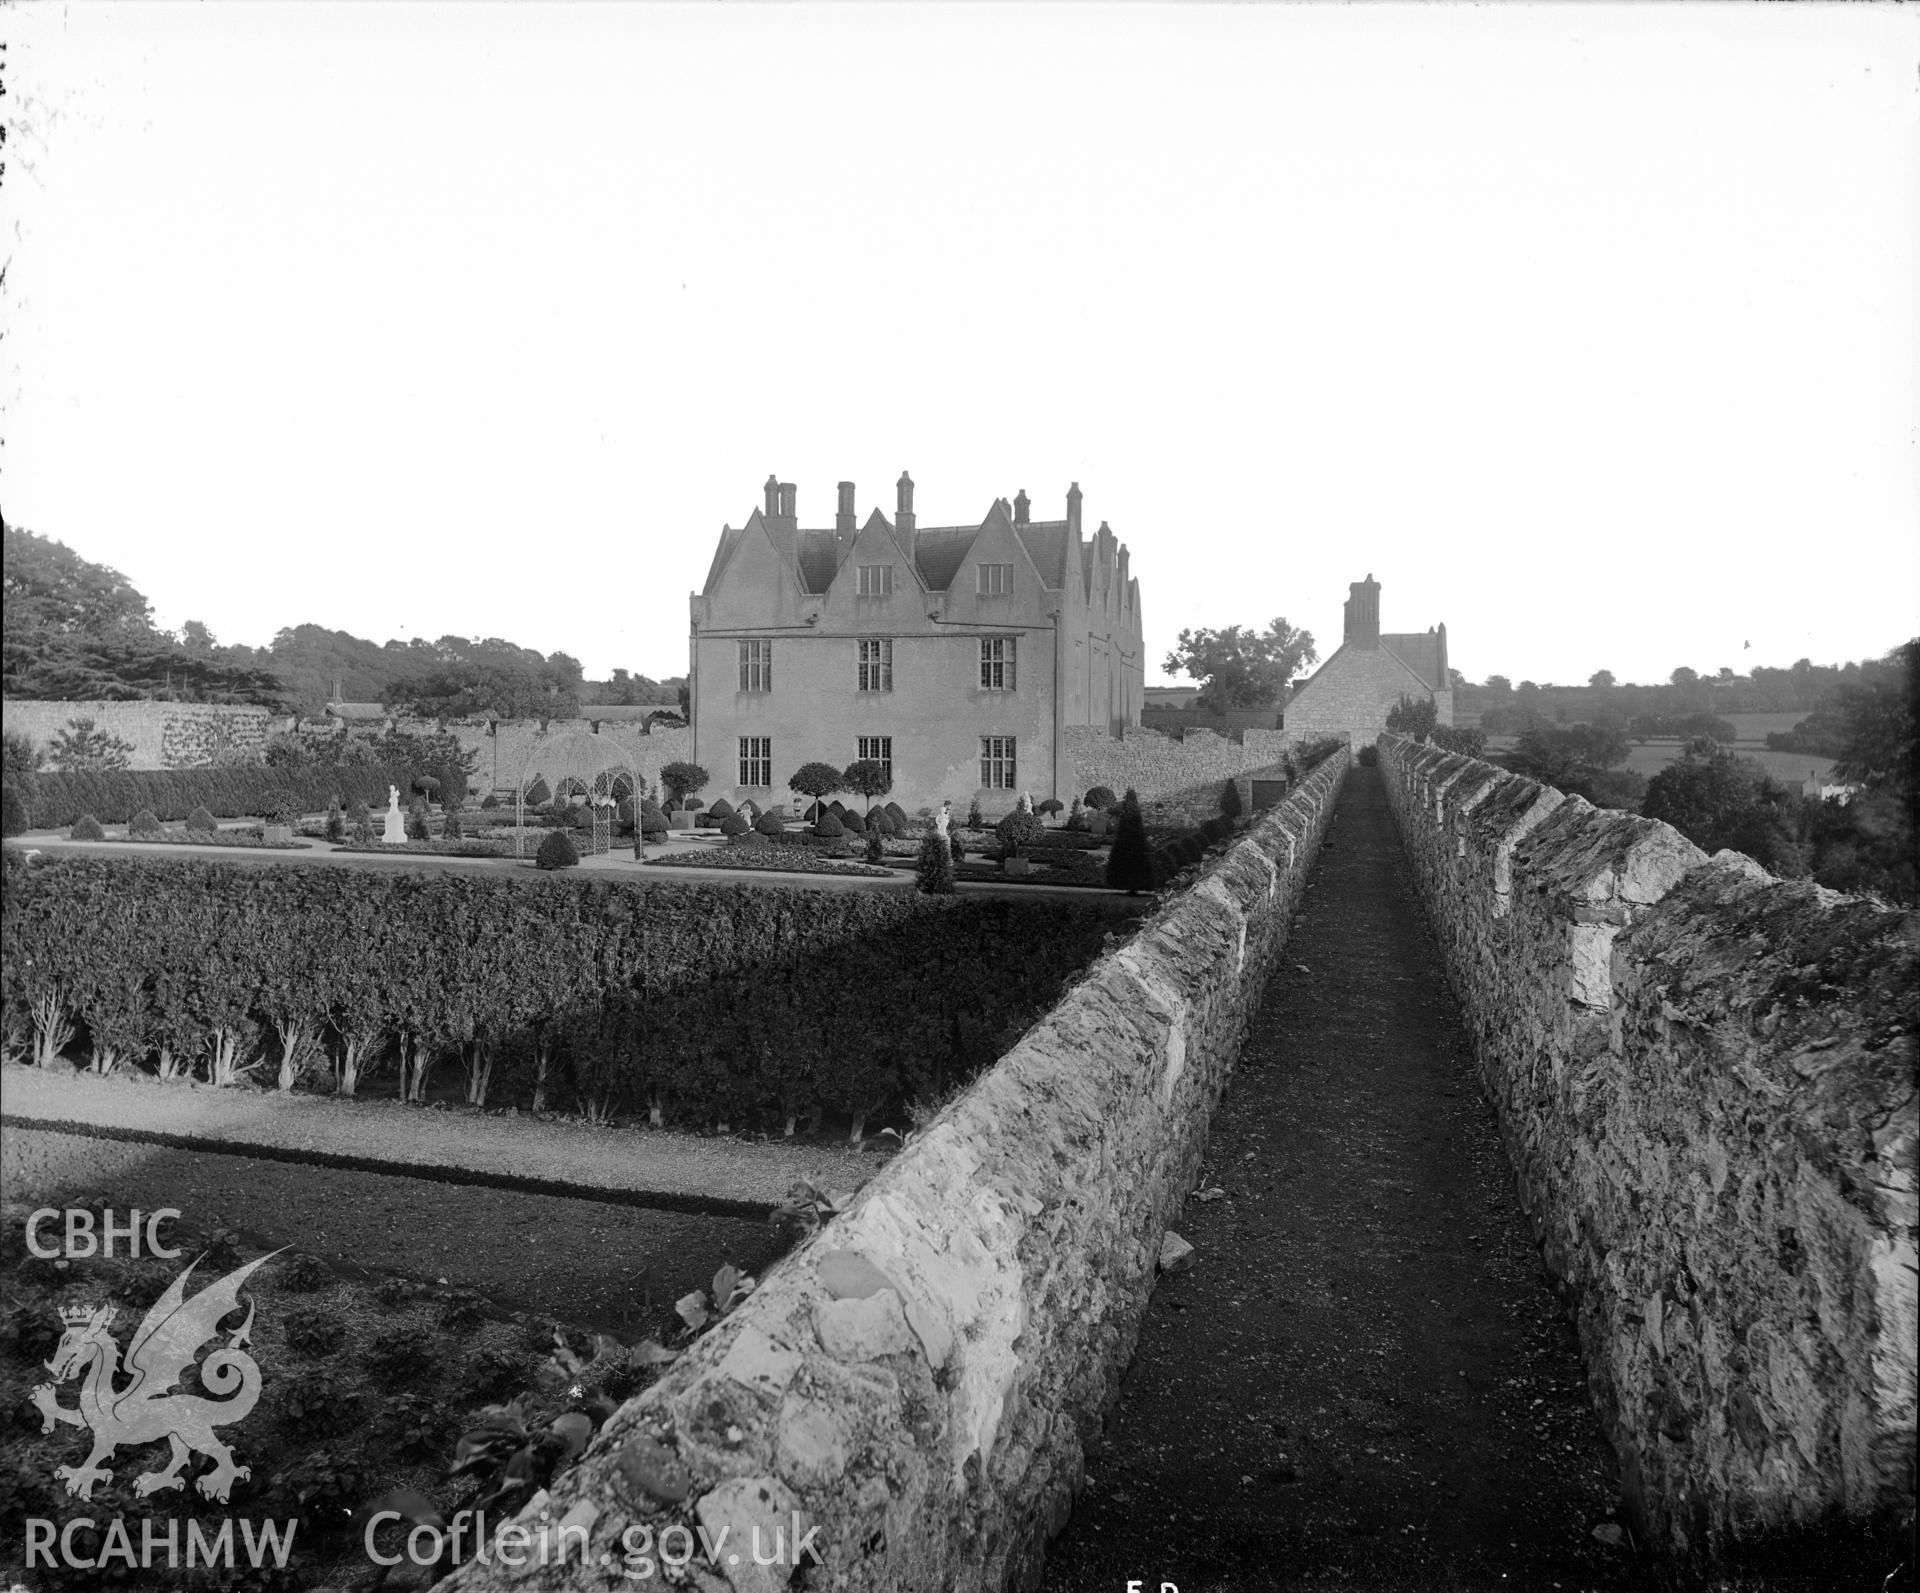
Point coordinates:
[[876, 848], [721, 808], [829, 828], [853, 824], [653, 822], [145, 822], [201, 819], [86, 828], [556, 851], [771, 825], [1130, 864], [1230, 804], [417, 823], [974, 820], [490, 801], [933, 872], [537, 794], [734, 824]]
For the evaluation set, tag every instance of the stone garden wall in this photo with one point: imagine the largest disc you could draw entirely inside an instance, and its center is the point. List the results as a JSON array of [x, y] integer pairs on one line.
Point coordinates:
[[924, 1380], [165, 735], [503, 751], [1171, 770], [1705, 1081]]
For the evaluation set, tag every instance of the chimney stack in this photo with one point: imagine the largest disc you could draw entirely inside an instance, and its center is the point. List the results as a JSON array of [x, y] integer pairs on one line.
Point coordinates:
[[773, 496], [904, 518], [843, 521], [1022, 512], [1362, 627], [1073, 508], [786, 503]]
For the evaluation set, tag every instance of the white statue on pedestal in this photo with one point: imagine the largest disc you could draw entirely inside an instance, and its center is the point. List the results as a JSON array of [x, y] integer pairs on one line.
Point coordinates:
[[396, 824], [943, 818]]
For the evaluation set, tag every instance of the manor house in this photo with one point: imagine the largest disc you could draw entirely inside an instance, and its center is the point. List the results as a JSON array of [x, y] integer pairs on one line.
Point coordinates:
[[956, 655], [1352, 693]]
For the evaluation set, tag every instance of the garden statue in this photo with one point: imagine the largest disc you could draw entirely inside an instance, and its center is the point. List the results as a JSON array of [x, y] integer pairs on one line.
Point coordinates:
[[943, 818], [1026, 802], [396, 824]]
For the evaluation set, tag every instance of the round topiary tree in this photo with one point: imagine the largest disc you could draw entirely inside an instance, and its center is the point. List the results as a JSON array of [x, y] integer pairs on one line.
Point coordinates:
[[817, 780], [426, 785], [1016, 832], [145, 822], [680, 780], [86, 828], [1230, 805], [556, 851], [1100, 797], [1051, 807], [933, 870], [868, 778], [1129, 863], [200, 819]]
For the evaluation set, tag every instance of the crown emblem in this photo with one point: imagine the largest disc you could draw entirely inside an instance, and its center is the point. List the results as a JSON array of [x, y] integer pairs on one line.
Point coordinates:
[[82, 1315]]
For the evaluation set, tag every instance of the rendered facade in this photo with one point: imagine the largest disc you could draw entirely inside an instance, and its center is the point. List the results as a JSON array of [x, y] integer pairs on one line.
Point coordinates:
[[958, 655], [1352, 693]]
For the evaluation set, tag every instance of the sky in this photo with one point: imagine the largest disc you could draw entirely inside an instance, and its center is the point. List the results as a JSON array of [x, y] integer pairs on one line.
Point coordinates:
[[1591, 331]]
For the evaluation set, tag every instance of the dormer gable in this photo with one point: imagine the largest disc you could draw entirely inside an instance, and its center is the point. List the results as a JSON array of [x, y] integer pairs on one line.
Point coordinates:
[[875, 545], [754, 564]]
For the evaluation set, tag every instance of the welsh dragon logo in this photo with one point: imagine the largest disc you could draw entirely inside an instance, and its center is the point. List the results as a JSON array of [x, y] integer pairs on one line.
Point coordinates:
[[143, 1411]]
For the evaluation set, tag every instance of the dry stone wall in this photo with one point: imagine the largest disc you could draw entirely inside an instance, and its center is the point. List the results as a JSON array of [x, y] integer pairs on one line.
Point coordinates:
[[924, 1380], [1174, 771], [1705, 1081]]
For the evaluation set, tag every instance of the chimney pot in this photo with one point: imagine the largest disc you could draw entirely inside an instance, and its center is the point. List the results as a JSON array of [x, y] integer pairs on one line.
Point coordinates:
[[773, 496], [1022, 512], [843, 521], [904, 513], [787, 511], [1073, 508]]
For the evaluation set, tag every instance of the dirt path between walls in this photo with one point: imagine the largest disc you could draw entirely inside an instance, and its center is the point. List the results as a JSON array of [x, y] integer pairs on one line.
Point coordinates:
[[580, 1260], [1363, 1379]]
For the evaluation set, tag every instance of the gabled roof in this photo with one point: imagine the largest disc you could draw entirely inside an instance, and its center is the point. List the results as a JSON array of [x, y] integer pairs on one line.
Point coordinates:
[[818, 556], [1342, 650], [1046, 544], [1420, 652], [729, 539], [940, 550]]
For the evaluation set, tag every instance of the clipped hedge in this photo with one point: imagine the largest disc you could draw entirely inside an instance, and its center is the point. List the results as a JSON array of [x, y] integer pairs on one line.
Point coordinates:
[[702, 1003], [54, 801]]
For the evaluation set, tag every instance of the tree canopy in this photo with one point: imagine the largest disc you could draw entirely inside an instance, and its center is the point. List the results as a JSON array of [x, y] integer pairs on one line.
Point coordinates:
[[1240, 667]]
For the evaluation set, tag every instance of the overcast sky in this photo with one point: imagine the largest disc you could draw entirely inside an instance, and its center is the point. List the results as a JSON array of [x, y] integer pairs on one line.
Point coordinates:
[[1592, 331]]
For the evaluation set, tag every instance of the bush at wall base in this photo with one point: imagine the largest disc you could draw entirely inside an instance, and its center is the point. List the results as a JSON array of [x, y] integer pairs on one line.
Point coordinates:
[[201, 819], [13, 812], [556, 851], [1130, 864], [145, 822], [87, 828], [1369, 756]]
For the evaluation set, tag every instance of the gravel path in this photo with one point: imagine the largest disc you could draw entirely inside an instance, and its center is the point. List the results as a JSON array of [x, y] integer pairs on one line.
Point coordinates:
[[579, 1260], [676, 1171], [1364, 1378]]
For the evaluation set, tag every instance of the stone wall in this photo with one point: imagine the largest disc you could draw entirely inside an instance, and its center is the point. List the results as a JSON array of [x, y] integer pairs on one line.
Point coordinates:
[[1173, 771], [1705, 1081], [924, 1380], [503, 749], [165, 735]]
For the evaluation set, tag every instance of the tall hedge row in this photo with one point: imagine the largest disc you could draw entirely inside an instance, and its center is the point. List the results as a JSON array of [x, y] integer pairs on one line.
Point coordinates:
[[54, 801], [699, 1003]]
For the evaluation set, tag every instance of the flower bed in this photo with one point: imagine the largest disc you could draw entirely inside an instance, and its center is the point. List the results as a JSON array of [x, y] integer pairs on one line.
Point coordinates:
[[434, 848], [780, 859], [251, 838]]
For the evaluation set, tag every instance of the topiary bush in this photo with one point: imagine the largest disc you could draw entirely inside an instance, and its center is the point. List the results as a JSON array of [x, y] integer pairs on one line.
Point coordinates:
[[876, 848], [1230, 805], [1016, 832], [770, 825], [974, 819], [145, 822], [581, 818], [336, 821], [451, 829], [721, 809], [201, 819], [360, 823], [954, 844], [852, 824], [417, 823], [13, 811], [898, 814], [733, 824], [556, 851], [653, 821], [933, 870], [1129, 864], [538, 795], [1100, 798], [490, 802], [1369, 755], [829, 828], [87, 829]]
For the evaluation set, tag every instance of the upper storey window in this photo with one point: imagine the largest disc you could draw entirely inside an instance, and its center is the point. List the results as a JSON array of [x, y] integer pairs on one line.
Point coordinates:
[[996, 663], [876, 664], [756, 666], [994, 580], [876, 580]]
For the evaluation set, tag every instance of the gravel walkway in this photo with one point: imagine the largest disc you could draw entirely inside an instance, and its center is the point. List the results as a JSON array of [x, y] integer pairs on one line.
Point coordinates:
[[1364, 1379], [656, 1167]]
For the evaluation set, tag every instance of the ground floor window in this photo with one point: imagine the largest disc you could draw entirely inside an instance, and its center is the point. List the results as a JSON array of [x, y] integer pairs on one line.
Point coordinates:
[[996, 763], [756, 760], [880, 750]]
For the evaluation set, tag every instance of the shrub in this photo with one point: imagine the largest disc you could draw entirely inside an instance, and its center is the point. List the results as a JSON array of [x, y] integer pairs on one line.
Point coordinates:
[[87, 828], [1016, 832], [1230, 805], [974, 819], [303, 1273], [13, 811], [145, 822], [653, 821], [490, 802], [201, 819], [734, 824], [875, 848], [1129, 864], [1462, 739], [721, 808], [556, 851], [399, 1355], [282, 807], [1100, 798], [417, 823], [1369, 755], [680, 780], [360, 823], [852, 824], [426, 785], [336, 821], [582, 818], [771, 825], [933, 872], [1215, 830], [829, 828], [538, 795], [451, 828], [1076, 819], [313, 1331], [954, 844]]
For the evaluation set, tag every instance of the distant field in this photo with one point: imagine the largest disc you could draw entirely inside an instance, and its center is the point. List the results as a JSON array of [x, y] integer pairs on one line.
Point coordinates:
[[1754, 727], [1789, 768]]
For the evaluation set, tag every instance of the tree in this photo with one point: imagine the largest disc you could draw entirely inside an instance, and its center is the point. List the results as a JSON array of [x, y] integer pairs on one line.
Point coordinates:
[[21, 756], [1719, 801], [1130, 863], [817, 780], [933, 870], [82, 749], [1239, 667], [1601, 680], [49, 588], [682, 780], [1411, 718], [1567, 757], [1684, 676], [195, 637], [868, 777], [1498, 684], [1231, 806]]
